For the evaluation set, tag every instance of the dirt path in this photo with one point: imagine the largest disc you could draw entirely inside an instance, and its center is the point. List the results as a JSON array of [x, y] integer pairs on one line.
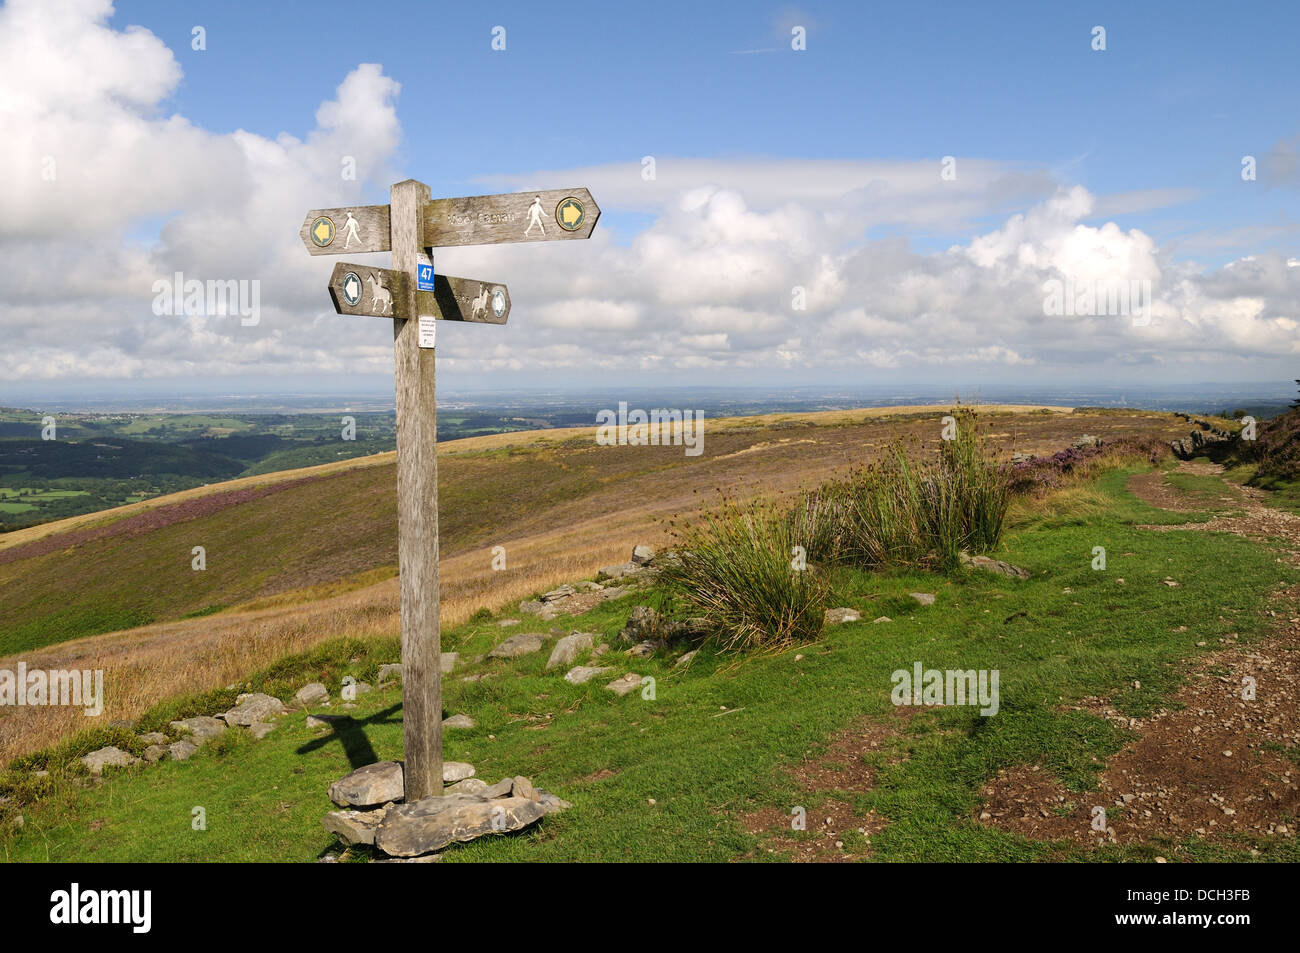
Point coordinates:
[[1223, 762]]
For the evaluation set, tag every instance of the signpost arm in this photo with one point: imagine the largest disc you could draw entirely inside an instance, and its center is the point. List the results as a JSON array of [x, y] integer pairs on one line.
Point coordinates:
[[417, 510]]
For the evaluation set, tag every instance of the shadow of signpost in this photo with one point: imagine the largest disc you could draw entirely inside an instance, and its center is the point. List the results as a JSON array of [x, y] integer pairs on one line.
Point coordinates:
[[351, 733]]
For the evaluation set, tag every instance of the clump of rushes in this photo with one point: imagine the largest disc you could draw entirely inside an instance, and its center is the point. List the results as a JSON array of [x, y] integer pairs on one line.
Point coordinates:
[[895, 512], [735, 566]]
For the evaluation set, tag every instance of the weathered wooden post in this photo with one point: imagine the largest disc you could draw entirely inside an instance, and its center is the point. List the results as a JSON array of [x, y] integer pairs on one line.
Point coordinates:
[[411, 225]]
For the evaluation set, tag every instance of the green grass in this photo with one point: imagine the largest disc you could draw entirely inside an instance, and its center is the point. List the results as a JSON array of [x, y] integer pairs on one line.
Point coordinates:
[[714, 741]]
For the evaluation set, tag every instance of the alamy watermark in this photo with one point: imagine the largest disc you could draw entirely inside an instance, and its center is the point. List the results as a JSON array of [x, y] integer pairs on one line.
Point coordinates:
[[931, 686], [191, 297], [637, 428], [1088, 297], [53, 687]]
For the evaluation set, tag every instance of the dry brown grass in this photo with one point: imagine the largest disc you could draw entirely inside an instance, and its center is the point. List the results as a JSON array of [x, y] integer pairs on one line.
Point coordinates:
[[566, 542]]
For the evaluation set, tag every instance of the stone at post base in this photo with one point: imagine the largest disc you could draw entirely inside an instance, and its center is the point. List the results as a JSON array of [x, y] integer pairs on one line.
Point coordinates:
[[430, 824]]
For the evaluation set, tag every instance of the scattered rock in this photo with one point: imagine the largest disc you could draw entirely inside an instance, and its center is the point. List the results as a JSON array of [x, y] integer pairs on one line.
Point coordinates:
[[201, 727], [448, 662], [925, 598], [453, 771], [585, 673], [315, 721], [155, 753], [261, 729], [643, 623], [525, 643], [506, 623], [388, 672], [253, 708], [620, 571], [522, 787], [354, 827], [645, 649], [1020, 456], [568, 649], [182, 750], [879, 619], [841, 615], [369, 786], [559, 594], [154, 738], [621, 686], [312, 694], [551, 804], [423, 859], [501, 789], [110, 757], [430, 824], [642, 555], [467, 786], [458, 721], [589, 585], [613, 592], [538, 608], [994, 565], [685, 659], [1086, 440]]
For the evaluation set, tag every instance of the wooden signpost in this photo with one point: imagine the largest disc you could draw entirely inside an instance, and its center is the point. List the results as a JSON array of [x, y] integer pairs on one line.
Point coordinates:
[[411, 226]]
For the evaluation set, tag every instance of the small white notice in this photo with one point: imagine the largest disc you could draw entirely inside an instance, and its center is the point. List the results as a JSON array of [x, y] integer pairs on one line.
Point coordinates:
[[428, 328]]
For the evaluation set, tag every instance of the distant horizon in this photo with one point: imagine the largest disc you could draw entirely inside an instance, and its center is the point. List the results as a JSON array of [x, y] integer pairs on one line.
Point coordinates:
[[1198, 395]]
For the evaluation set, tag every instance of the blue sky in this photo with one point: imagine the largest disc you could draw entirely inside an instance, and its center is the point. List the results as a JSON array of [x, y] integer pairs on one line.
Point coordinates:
[[782, 175], [1182, 91]]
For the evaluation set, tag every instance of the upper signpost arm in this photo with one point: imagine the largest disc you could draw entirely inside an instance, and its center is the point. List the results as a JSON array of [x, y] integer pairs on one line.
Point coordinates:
[[538, 216]]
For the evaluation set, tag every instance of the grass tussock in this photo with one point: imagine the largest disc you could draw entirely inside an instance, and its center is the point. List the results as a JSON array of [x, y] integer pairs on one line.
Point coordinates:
[[904, 512], [738, 567]]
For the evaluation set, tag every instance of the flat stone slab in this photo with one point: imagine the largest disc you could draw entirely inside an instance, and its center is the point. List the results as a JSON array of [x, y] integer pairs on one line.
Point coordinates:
[[201, 727], [458, 721], [110, 757], [568, 649], [354, 827], [448, 662], [585, 673], [468, 786], [556, 595], [842, 615], [685, 659], [393, 670], [925, 598], [313, 693], [369, 786], [525, 643], [261, 729], [453, 771], [253, 708], [621, 686], [430, 824]]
